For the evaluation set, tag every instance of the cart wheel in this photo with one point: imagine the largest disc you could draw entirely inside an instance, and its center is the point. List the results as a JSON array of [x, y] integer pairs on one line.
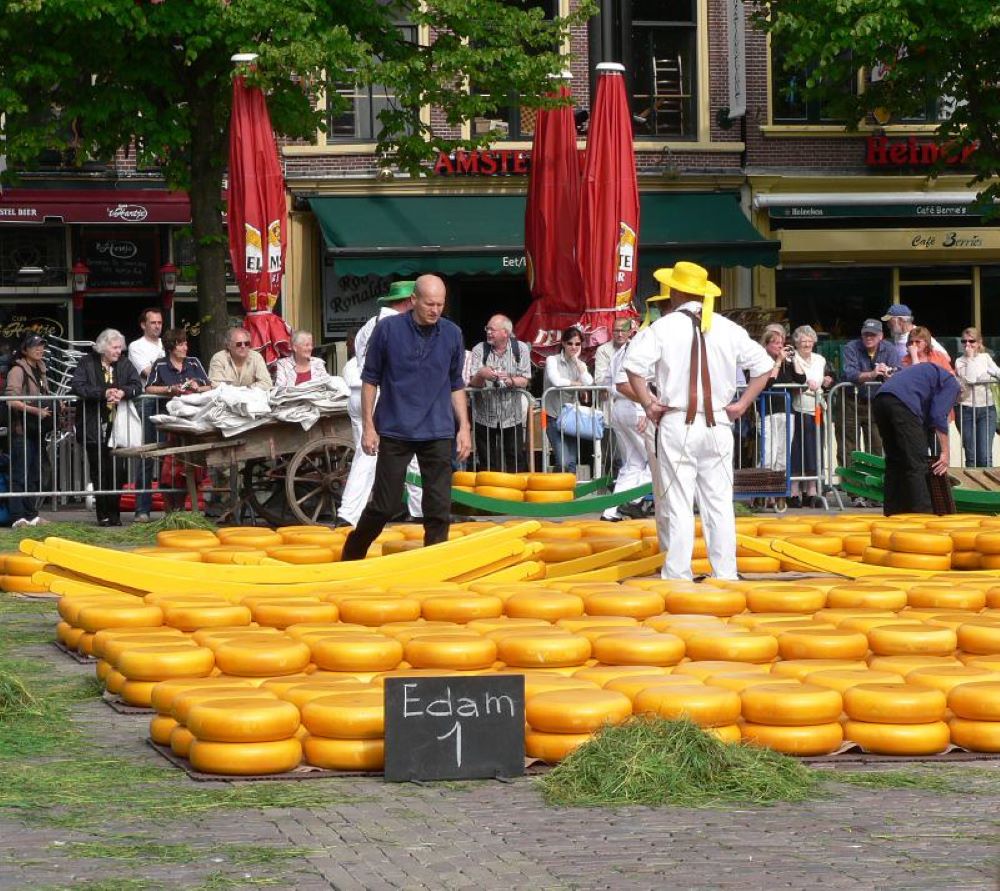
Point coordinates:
[[315, 479], [264, 490]]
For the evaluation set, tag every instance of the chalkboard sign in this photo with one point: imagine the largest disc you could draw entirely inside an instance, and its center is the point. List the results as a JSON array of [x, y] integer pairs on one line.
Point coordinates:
[[454, 727], [121, 259]]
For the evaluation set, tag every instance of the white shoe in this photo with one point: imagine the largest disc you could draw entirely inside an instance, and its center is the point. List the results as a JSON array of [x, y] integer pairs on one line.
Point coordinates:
[[40, 521], [20, 523]]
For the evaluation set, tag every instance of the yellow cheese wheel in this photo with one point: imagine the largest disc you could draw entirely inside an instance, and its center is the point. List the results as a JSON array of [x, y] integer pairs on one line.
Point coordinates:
[[881, 531], [245, 719], [463, 478], [756, 563], [630, 602], [250, 537], [178, 554], [842, 679], [500, 493], [706, 706], [729, 646], [375, 611], [188, 617], [455, 651], [576, 710], [104, 639], [802, 668], [557, 532], [185, 700], [543, 681], [603, 674], [976, 700], [552, 747], [923, 543], [976, 736], [226, 554], [114, 681], [702, 600], [782, 528], [103, 669], [245, 758], [947, 677], [138, 694], [262, 657], [180, 741], [728, 733], [881, 703], [866, 596], [214, 638], [85, 645], [113, 649], [805, 643], [22, 565], [314, 535], [946, 597], [900, 560], [285, 612], [358, 715], [544, 604], [992, 598], [165, 692], [631, 648], [529, 650], [357, 652], [980, 636], [560, 550], [304, 554], [905, 639], [160, 728], [70, 607], [785, 598], [160, 663], [790, 705], [545, 497], [300, 694], [806, 740], [864, 624], [898, 739], [551, 482], [855, 544], [875, 556], [344, 754], [461, 608], [187, 538], [502, 480], [828, 544], [738, 681], [702, 670], [93, 618], [966, 560], [633, 685], [904, 664], [988, 542]]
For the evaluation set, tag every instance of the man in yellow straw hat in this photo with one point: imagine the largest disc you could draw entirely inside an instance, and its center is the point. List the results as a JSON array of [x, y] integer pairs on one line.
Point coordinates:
[[692, 356]]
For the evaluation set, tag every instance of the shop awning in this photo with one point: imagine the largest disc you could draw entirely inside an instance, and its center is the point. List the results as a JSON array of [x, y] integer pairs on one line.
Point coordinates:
[[405, 235], [93, 206]]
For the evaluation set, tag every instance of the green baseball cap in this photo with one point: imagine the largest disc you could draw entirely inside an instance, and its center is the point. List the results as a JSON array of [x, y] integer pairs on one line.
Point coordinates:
[[397, 291]]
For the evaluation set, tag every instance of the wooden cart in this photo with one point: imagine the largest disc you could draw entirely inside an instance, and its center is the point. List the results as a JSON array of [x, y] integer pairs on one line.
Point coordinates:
[[277, 472]]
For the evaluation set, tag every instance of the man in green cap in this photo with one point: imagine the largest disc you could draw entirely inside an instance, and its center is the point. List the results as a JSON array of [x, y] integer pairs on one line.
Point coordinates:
[[362, 475]]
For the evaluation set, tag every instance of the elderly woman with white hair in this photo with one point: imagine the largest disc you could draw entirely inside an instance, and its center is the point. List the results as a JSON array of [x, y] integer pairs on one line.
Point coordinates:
[[302, 366], [104, 380], [805, 440]]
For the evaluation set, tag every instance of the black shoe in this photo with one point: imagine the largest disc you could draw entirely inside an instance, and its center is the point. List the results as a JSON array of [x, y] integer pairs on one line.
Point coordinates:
[[632, 511], [795, 501], [103, 521], [340, 522], [611, 519]]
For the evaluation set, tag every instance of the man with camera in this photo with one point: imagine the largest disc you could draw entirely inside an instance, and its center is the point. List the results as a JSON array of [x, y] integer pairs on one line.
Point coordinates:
[[867, 362]]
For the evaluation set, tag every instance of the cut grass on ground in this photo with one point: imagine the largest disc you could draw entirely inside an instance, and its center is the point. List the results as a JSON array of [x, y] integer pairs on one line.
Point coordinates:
[[131, 536]]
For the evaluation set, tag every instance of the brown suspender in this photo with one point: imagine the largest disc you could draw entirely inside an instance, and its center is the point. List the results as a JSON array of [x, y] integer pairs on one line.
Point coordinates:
[[699, 360]]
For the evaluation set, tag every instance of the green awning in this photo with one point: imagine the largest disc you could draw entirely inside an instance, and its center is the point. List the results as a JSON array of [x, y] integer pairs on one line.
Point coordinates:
[[405, 235]]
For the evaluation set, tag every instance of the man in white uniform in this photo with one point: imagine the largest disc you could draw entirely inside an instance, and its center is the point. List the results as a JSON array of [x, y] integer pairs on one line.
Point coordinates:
[[362, 474], [693, 355], [143, 354]]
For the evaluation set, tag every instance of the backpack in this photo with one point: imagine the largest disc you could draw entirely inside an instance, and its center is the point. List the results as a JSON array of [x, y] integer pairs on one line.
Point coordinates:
[[515, 349]]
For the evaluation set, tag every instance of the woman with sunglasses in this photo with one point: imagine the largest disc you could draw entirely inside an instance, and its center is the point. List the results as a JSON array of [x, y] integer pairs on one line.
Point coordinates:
[[976, 370], [564, 369]]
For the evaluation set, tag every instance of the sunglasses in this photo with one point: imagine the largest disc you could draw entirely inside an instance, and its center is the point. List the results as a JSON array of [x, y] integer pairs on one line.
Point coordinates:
[[241, 343], [969, 340], [574, 343]]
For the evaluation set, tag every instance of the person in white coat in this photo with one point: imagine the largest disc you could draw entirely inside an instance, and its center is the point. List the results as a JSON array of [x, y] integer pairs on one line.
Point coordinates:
[[361, 477], [693, 357]]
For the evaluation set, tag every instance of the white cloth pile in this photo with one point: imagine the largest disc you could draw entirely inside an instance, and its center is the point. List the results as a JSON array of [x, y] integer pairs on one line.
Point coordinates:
[[234, 410]]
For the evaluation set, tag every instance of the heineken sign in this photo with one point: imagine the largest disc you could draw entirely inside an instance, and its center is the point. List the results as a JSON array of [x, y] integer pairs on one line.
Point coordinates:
[[883, 152]]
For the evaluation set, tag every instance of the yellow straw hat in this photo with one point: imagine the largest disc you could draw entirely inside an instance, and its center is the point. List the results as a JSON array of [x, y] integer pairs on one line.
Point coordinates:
[[689, 278]]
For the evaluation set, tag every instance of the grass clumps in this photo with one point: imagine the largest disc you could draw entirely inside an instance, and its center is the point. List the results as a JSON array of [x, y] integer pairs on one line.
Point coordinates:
[[652, 761], [132, 536]]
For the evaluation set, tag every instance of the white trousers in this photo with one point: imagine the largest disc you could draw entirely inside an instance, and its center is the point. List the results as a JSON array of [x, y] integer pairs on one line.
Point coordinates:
[[775, 433], [696, 461], [634, 470], [361, 478]]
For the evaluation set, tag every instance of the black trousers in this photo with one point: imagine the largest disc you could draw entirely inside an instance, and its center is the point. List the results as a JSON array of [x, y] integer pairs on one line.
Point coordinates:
[[434, 461], [500, 448], [105, 473], [904, 439]]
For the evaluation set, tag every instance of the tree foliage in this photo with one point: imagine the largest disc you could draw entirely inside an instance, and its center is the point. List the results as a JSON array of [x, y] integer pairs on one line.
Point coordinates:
[[924, 52], [91, 77]]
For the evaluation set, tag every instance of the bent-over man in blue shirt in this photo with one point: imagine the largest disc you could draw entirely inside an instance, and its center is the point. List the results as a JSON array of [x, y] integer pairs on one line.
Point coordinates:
[[414, 362], [908, 407]]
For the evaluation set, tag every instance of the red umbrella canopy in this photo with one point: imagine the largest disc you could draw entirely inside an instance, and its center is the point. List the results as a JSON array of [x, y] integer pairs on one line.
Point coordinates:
[[257, 219], [607, 246], [550, 225]]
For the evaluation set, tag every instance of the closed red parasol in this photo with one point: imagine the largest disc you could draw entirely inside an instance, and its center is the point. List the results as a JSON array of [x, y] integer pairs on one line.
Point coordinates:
[[257, 218], [607, 245], [550, 228]]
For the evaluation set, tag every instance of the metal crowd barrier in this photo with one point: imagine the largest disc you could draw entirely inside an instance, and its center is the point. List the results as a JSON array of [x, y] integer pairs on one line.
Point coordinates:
[[503, 430], [976, 420], [576, 449], [47, 463]]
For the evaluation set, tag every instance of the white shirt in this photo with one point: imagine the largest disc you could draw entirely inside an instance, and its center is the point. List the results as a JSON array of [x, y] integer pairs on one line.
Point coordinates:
[[804, 400], [143, 353], [663, 352], [976, 370], [560, 373], [364, 335], [602, 363], [617, 376]]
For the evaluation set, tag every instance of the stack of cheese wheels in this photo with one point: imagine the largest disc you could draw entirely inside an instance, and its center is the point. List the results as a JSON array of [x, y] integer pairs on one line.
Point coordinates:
[[464, 480], [717, 709], [976, 709], [180, 702], [503, 486], [110, 641], [16, 571], [87, 614], [801, 719], [346, 729], [164, 694], [550, 487], [919, 550], [143, 664], [560, 720], [244, 736], [896, 719]]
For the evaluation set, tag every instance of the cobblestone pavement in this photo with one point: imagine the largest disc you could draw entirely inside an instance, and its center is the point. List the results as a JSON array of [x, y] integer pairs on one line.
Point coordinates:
[[501, 835]]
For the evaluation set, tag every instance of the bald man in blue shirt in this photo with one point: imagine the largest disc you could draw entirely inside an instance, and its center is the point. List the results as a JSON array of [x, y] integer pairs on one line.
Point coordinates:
[[414, 363]]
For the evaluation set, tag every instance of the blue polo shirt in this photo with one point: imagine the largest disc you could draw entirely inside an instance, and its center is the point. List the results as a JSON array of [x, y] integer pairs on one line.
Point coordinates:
[[416, 367], [163, 374], [927, 390]]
